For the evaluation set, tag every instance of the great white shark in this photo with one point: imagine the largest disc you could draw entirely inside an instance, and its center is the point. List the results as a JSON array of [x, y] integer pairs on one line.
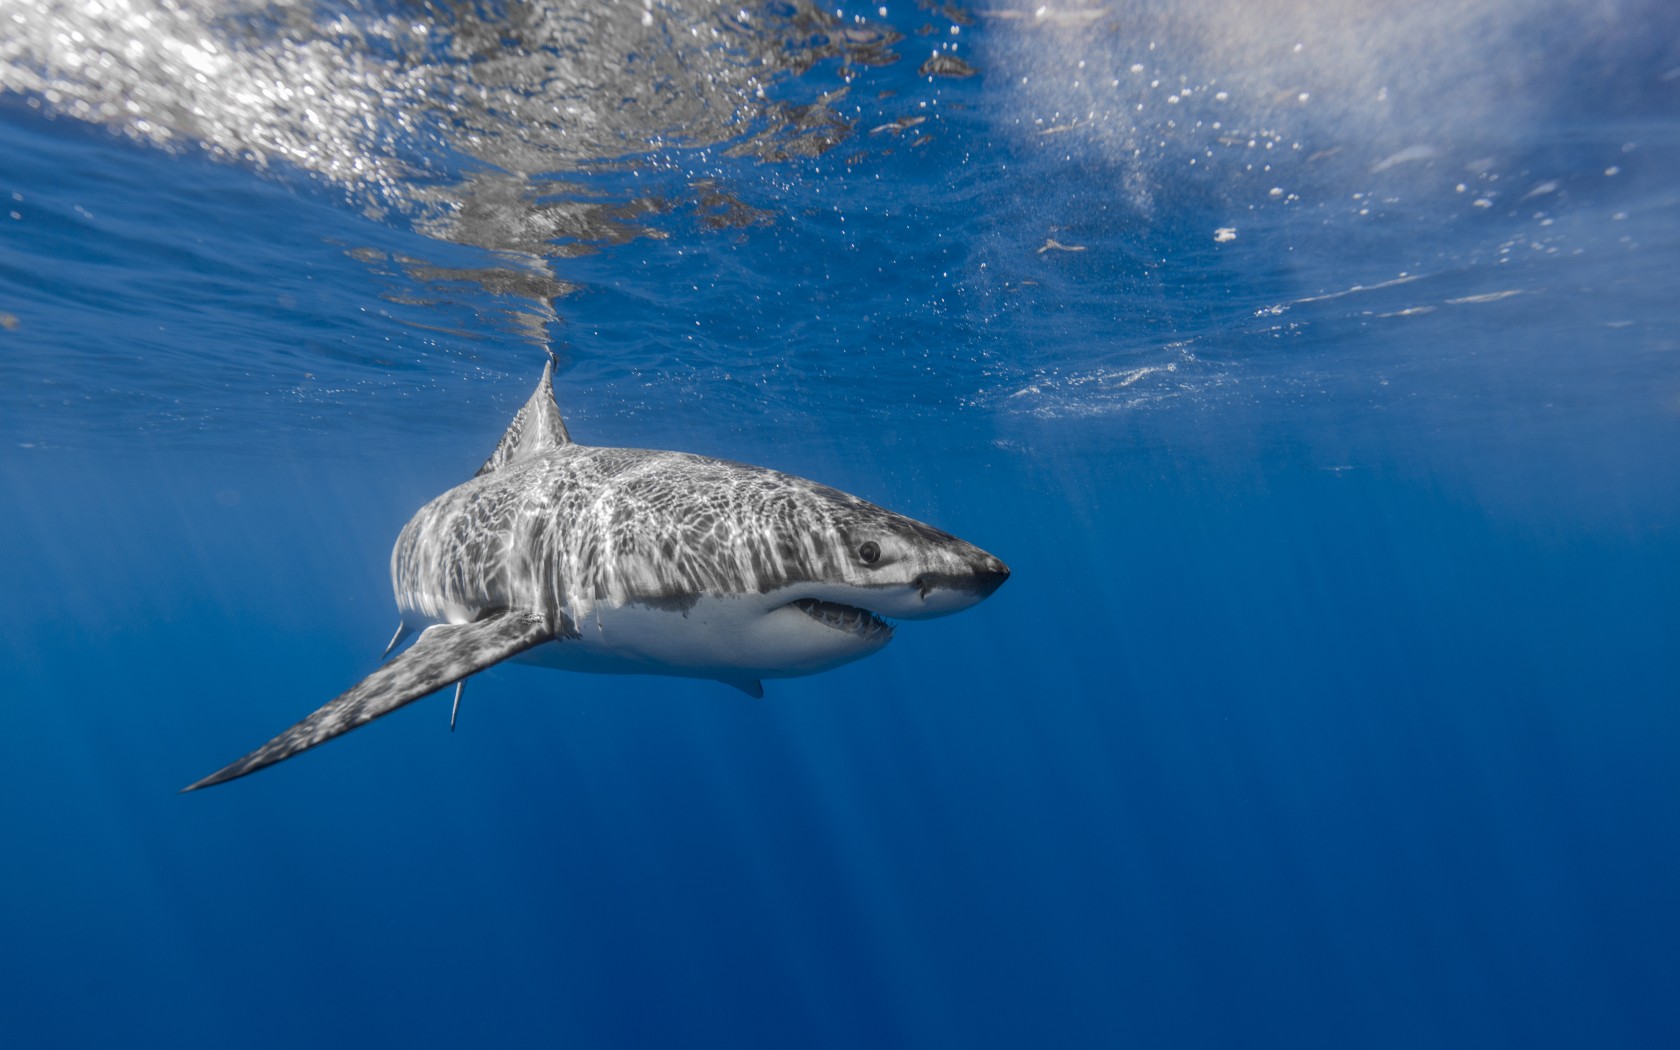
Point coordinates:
[[634, 561]]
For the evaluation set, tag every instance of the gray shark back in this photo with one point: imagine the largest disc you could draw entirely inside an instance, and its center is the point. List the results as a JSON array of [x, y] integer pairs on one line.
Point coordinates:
[[578, 526]]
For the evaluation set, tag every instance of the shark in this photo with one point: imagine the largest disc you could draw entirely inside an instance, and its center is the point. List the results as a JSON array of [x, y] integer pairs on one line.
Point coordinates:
[[637, 561]]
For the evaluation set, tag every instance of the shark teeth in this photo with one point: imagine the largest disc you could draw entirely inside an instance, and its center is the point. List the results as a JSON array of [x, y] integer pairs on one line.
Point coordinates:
[[848, 618]]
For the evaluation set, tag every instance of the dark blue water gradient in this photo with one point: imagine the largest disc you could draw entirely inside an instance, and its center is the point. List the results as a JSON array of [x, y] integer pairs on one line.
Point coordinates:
[[1249, 751]]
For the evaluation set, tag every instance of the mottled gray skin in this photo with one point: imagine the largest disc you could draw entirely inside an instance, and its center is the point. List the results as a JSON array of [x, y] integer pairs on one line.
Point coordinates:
[[578, 527], [638, 561]]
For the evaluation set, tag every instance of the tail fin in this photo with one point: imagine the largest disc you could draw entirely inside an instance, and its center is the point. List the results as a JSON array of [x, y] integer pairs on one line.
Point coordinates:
[[443, 654]]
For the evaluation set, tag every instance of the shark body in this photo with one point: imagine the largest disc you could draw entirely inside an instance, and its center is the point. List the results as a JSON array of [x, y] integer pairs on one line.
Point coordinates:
[[636, 561]]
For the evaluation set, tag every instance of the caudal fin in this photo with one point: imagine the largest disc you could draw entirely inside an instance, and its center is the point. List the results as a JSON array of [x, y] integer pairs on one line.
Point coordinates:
[[443, 654]]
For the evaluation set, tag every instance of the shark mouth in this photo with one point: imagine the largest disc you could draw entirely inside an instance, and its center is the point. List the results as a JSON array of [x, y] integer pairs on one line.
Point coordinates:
[[848, 618]]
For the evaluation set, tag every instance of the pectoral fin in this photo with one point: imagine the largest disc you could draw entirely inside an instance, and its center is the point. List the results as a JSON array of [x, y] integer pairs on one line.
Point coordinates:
[[443, 654]]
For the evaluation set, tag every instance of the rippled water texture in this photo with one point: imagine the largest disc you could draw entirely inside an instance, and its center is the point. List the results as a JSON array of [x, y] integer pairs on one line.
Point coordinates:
[[464, 119], [1115, 203]]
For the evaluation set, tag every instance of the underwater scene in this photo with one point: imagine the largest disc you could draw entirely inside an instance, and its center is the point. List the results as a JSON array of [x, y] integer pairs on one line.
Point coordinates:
[[1114, 523]]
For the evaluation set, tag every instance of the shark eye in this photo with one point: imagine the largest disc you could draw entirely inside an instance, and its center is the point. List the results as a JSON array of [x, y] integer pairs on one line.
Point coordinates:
[[870, 552]]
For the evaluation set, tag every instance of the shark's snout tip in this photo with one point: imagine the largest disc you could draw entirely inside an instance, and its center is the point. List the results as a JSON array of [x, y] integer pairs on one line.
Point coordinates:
[[990, 575]]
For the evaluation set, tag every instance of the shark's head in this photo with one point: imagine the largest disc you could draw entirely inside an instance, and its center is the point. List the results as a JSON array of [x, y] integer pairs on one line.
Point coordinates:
[[898, 567], [843, 567]]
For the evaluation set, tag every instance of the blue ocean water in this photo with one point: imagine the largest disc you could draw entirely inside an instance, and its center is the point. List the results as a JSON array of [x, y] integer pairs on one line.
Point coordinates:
[[1316, 369]]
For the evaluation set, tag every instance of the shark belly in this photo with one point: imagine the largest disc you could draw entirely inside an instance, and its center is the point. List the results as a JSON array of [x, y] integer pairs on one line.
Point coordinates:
[[729, 638]]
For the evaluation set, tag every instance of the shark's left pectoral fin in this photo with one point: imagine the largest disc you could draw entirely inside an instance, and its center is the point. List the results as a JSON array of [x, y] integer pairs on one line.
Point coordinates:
[[443, 654]]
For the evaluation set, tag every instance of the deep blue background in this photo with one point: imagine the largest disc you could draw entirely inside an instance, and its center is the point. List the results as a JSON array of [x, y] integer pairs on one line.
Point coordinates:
[[1246, 752], [1333, 701]]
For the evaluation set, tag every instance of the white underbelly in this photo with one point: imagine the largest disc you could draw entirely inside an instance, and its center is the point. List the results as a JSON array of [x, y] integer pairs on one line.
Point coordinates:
[[726, 638]]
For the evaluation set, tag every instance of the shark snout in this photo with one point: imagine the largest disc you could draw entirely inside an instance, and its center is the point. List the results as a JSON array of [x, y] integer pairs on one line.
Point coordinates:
[[948, 592], [989, 576]]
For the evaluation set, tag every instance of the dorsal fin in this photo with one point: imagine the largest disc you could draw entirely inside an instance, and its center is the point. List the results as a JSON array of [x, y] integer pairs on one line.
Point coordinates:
[[537, 428]]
